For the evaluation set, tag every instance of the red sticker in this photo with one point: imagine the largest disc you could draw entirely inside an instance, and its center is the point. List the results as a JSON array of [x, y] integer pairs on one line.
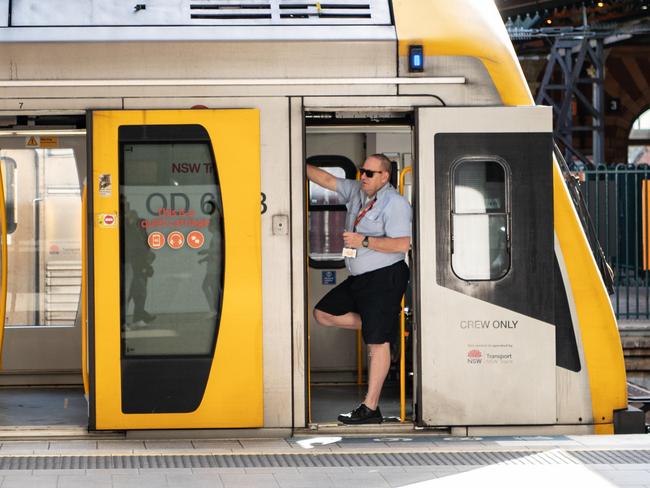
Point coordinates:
[[176, 240], [195, 239], [156, 240]]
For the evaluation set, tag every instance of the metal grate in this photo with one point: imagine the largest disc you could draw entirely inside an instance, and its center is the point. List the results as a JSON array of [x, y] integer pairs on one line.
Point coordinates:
[[327, 460], [231, 11], [62, 289]]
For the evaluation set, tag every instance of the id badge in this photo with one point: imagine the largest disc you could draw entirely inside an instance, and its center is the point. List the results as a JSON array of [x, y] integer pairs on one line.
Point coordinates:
[[349, 252]]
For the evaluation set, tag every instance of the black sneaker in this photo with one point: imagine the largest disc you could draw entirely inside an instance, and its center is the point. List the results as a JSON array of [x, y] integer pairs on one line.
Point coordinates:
[[362, 415]]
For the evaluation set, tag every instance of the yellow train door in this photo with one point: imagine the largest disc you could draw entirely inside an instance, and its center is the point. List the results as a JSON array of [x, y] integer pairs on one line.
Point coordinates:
[[174, 259]]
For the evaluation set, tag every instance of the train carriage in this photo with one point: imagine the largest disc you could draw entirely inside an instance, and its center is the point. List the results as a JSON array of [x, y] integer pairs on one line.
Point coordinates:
[[179, 289]]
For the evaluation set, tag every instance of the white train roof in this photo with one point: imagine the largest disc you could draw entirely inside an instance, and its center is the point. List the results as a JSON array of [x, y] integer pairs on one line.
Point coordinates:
[[90, 13]]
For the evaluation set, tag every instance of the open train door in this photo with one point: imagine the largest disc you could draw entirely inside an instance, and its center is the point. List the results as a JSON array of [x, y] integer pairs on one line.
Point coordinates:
[[175, 300], [485, 267]]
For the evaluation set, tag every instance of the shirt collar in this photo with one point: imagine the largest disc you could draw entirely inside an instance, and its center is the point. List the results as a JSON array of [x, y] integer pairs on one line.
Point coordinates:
[[379, 195]]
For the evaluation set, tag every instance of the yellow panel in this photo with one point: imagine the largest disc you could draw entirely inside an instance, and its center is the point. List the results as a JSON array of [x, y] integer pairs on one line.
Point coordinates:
[[600, 339], [234, 392], [475, 28], [463, 28], [604, 429]]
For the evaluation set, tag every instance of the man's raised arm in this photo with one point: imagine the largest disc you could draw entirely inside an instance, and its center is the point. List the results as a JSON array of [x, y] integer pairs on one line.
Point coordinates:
[[321, 178]]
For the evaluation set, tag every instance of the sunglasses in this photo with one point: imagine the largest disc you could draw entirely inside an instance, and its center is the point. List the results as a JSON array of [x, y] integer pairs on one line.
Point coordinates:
[[368, 172]]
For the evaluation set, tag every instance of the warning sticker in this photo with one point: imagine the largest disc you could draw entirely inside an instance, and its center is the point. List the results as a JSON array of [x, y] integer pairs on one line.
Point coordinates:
[[156, 240], [105, 184], [49, 142], [175, 240], [195, 239], [46, 142], [32, 141], [106, 220]]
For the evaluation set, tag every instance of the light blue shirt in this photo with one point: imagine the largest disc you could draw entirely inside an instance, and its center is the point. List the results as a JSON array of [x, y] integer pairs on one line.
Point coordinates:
[[390, 216]]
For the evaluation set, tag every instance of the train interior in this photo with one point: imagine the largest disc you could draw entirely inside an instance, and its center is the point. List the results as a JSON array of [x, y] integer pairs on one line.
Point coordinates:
[[40, 384], [338, 357]]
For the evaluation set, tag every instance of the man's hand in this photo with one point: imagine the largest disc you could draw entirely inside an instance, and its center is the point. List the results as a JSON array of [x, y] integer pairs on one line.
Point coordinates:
[[353, 240]]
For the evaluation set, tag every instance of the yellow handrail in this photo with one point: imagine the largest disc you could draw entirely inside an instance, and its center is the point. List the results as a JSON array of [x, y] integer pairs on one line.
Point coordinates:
[[402, 365], [402, 330], [359, 339], [308, 352], [402, 177], [84, 293], [3, 229], [359, 358]]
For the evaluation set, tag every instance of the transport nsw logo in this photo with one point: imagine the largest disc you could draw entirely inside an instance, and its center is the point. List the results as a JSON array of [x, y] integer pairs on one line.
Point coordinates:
[[474, 356]]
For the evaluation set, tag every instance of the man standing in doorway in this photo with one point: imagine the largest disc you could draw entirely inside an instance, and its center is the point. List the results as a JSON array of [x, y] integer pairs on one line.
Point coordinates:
[[377, 237]]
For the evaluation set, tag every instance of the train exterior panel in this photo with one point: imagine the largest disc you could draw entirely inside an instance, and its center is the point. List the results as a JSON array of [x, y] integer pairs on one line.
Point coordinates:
[[514, 335]]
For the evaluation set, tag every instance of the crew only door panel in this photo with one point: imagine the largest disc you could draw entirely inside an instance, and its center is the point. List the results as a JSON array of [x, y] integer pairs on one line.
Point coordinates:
[[485, 248]]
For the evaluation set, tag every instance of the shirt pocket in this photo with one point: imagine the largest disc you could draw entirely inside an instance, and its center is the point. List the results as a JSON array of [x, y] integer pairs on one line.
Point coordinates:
[[373, 224]]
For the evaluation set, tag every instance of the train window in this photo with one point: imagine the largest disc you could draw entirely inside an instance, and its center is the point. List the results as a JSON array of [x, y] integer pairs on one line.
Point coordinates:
[[480, 219], [172, 248], [327, 214], [44, 237]]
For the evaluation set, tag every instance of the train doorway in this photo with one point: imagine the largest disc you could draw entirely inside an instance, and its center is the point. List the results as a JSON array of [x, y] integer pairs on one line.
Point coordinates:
[[337, 357], [40, 381]]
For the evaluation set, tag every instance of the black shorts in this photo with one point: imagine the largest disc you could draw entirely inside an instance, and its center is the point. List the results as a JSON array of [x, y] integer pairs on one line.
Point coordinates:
[[376, 296]]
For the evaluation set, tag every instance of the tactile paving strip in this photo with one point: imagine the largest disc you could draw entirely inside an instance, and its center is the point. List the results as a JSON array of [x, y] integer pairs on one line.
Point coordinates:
[[321, 460]]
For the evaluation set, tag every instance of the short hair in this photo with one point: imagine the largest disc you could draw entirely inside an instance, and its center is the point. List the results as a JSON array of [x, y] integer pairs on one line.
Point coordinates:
[[386, 164]]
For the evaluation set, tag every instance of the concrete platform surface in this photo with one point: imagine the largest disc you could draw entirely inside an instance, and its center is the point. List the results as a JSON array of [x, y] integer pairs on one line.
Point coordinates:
[[416, 461]]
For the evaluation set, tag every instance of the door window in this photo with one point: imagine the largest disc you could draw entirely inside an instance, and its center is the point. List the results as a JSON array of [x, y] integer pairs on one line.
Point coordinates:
[[172, 249], [480, 219]]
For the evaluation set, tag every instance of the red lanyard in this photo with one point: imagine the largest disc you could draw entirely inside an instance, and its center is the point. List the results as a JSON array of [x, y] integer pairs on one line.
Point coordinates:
[[363, 213]]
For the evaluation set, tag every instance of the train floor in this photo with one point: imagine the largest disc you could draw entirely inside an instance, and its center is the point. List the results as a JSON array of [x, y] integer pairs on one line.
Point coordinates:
[[331, 399], [42, 407]]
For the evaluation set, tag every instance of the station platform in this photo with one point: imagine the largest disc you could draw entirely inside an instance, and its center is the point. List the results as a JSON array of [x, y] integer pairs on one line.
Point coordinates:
[[415, 461]]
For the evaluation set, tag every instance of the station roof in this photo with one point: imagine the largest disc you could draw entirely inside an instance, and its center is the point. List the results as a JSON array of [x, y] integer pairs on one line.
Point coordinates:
[[618, 21], [611, 14]]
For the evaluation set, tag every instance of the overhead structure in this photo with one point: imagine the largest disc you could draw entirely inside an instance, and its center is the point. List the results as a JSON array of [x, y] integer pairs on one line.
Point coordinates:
[[578, 62]]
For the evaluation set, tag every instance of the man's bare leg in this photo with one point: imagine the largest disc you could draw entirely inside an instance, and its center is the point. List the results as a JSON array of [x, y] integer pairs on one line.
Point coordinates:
[[377, 372], [350, 320]]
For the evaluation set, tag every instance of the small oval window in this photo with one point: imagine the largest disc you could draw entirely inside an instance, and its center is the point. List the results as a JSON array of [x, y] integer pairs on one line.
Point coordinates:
[[480, 217]]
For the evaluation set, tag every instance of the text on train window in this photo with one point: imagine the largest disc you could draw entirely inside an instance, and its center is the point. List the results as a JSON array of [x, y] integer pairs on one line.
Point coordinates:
[[480, 219]]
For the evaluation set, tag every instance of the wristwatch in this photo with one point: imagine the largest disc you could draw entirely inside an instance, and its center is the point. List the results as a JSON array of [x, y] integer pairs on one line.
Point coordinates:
[[364, 243]]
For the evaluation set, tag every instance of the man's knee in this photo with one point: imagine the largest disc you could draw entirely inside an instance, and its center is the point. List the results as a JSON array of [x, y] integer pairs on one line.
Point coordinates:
[[323, 318]]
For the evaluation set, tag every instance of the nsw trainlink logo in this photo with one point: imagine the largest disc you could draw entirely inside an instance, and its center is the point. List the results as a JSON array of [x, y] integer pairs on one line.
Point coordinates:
[[474, 356]]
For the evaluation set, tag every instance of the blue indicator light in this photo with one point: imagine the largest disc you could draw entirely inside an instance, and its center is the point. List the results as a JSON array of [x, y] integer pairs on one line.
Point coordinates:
[[416, 58]]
